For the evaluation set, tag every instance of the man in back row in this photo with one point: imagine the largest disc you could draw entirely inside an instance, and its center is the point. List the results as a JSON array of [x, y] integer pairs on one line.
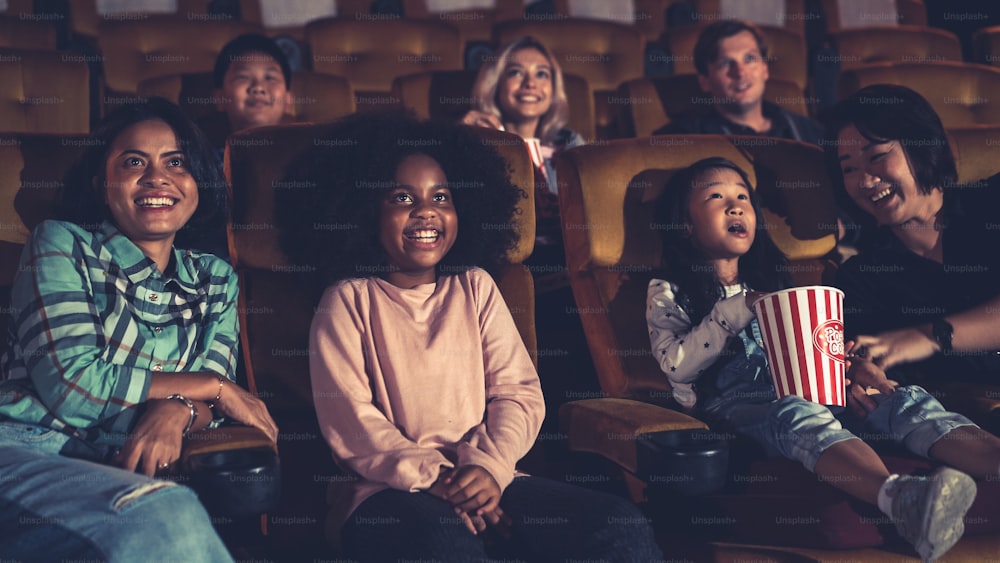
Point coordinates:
[[731, 59]]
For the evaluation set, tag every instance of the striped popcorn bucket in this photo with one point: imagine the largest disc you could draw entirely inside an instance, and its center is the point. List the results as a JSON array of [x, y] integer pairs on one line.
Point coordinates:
[[803, 333], [535, 150]]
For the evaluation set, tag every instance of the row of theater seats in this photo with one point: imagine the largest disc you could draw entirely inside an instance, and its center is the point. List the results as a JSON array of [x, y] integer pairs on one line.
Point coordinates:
[[50, 95], [371, 52], [611, 251], [612, 248], [958, 91], [652, 17]]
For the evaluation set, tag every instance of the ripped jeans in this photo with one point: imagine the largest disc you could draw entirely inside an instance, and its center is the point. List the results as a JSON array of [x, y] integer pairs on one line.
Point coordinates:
[[54, 507]]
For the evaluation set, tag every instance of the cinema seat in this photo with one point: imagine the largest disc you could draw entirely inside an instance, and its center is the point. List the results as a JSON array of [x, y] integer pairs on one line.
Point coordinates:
[[986, 46], [894, 44], [962, 94], [43, 92], [844, 14], [768, 508], [36, 34], [370, 53], [276, 308], [975, 150], [474, 22], [789, 15], [31, 173], [159, 45]]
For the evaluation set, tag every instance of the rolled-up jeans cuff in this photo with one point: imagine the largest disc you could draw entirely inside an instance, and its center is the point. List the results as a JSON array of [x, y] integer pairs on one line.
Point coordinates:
[[828, 441], [922, 439], [916, 416]]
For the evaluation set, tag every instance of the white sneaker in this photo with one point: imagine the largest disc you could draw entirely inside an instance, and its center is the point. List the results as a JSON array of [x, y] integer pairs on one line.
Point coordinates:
[[928, 511]]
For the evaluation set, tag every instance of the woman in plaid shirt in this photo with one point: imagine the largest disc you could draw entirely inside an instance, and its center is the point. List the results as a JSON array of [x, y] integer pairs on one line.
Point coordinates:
[[121, 343]]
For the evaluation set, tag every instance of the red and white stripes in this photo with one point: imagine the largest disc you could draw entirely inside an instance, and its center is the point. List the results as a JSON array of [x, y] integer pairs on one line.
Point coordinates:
[[803, 333]]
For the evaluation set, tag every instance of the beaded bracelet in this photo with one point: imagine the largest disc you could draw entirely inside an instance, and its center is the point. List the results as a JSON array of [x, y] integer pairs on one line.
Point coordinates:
[[190, 405], [218, 396]]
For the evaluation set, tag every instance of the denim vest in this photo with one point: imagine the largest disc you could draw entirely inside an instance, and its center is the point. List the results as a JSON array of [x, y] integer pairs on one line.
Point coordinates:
[[743, 377]]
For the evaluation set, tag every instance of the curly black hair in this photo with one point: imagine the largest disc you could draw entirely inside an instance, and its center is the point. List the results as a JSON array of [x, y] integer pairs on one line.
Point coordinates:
[[82, 201], [762, 268], [333, 224]]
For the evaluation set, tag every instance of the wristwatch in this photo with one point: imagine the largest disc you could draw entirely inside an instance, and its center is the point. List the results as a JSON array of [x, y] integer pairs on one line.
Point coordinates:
[[942, 332]]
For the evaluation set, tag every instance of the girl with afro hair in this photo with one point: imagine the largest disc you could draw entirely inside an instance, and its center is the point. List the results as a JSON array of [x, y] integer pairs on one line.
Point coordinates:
[[422, 385]]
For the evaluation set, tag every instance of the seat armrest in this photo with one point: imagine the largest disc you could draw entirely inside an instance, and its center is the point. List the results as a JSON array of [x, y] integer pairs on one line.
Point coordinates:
[[689, 462], [234, 469], [225, 438], [610, 427]]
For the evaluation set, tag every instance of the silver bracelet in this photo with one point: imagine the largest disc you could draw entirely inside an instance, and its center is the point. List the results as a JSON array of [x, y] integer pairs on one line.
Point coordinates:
[[190, 405]]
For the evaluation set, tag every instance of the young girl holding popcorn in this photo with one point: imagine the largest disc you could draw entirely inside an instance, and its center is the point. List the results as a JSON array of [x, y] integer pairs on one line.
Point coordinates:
[[707, 341]]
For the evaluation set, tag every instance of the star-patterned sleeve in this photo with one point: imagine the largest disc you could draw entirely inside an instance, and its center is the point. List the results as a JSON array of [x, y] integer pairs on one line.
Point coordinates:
[[685, 351]]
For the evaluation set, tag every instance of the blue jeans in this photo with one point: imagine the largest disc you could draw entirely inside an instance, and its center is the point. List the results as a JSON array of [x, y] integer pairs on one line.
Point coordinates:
[[55, 508], [552, 521], [802, 430]]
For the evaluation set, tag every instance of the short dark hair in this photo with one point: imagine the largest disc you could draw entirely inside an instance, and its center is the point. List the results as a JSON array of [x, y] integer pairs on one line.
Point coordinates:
[[82, 201], [706, 50], [250, 43], [888, 112], [332, 224]]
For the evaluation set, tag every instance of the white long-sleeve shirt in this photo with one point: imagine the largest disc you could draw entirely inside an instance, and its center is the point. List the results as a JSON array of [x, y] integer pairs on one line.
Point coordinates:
[[685, 351]]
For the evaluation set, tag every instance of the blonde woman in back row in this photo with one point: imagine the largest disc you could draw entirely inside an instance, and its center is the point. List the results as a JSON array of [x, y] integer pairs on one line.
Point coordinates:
[[521, 90]]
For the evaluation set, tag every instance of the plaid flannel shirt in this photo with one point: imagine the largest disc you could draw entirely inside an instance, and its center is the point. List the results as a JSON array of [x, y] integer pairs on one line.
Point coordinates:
[[93, 318]]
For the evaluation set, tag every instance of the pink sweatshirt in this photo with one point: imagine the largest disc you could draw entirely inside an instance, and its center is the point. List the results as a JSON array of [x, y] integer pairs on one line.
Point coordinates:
[[408, 381]]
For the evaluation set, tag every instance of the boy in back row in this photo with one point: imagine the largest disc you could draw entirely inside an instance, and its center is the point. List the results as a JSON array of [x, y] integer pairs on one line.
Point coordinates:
[[252, 80]]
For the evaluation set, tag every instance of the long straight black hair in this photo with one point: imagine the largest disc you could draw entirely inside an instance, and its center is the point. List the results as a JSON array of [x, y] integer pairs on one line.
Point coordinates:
[[762, 268]]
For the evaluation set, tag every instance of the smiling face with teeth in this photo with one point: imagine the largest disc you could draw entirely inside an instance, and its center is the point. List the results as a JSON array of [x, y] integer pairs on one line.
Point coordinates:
[[148, 187], [524, 93], [879, 178], [418, 223], [723, 221], [737, 76]]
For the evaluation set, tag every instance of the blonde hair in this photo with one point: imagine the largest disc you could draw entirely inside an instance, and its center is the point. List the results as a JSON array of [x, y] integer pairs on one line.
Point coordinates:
[[484, 91]]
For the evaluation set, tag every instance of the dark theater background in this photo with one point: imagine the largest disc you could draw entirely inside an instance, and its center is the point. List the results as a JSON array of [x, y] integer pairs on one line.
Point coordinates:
[[610, 421]]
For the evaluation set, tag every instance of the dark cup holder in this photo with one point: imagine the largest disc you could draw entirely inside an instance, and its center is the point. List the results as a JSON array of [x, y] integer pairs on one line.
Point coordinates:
[[687, 462], [237, 483]]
